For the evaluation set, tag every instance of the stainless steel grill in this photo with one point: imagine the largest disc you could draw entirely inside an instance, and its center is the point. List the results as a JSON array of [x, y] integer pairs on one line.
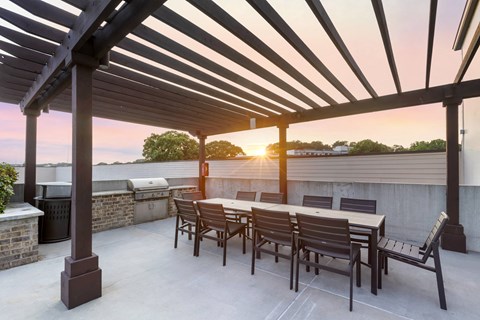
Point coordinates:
[[151, 199]]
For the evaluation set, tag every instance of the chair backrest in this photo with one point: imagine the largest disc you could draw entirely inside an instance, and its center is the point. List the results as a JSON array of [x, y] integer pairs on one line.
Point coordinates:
[[358, 205], [317, 202], [246, 195], [272, 197], [328, 236], [186, 210], [195, 195], [434, 234], [212, 215], [272, 225]]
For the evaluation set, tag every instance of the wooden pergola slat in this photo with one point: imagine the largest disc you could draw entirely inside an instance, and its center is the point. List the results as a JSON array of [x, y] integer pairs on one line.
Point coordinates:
[[327, 24], [228, 22], [181, 24], [431, 36], [277, 22], [176, 48], [387, 44], [168, 61]]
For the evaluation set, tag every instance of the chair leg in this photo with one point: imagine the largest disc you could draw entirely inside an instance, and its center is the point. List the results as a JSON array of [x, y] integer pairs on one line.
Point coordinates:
[[176, 232], [316, 261], [359, 272], [276, 251], [381, 260], [385, 264], [307, 257], [254, 238], [297, 268], [224, 243], [189, 232], [438, 272], [244, 242], [351, 288]]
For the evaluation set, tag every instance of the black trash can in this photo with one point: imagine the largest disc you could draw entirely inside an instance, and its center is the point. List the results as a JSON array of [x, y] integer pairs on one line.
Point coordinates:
[[55, 202]]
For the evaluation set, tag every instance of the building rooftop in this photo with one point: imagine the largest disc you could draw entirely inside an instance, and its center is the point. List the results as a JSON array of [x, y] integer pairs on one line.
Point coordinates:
[[144, 277]]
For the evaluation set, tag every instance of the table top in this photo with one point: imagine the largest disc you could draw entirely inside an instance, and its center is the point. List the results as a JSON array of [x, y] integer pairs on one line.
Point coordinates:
[[239, 205], [371, 221]]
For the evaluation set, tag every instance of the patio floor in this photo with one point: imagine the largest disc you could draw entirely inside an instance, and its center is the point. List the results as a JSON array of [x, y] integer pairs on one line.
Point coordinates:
[[145, 278]]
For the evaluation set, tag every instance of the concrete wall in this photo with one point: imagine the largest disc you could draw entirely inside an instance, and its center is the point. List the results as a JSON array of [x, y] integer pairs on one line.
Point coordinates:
[[410, 209]]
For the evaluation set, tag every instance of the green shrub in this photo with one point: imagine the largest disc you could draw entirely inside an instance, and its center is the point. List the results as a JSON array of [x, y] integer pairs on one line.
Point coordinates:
[[8, 176]]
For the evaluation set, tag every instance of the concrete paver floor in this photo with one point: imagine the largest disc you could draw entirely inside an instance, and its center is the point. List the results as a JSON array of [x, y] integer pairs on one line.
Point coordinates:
[[145, 278]]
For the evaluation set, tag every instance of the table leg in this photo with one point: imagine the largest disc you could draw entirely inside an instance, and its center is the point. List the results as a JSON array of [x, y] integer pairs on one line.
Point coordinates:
[[374, 258]]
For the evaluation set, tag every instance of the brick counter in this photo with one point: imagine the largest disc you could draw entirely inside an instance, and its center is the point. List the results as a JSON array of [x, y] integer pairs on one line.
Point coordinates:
[[18, 235]]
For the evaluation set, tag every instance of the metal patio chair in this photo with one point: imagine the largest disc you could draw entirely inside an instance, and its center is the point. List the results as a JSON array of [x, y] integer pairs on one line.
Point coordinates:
[[272, 227], [194, 195], [187, 219], [416, 256], [317, 202], [360, 235], [212, 218], [272, 197], [328, 237]]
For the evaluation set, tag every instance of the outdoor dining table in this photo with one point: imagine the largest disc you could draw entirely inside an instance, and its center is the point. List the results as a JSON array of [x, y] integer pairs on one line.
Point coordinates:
[[373, 222]]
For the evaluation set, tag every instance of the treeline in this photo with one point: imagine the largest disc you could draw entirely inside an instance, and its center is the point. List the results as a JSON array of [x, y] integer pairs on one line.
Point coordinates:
[[361, 147]]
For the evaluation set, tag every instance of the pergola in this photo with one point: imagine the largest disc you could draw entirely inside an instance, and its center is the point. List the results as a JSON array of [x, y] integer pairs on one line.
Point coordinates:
[[95, 70]]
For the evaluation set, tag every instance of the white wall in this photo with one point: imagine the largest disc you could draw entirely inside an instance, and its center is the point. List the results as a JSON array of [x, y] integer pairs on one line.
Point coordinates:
[[471, 116]]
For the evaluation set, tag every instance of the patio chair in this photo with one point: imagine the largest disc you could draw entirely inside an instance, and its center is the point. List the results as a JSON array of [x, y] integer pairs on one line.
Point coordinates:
[[187, 218], [194, 195], [238, 215], [246, 195], [212, 218], [272, 197], [272, 227], [360, 235], [317, 202], [416, 256], [328, 237]]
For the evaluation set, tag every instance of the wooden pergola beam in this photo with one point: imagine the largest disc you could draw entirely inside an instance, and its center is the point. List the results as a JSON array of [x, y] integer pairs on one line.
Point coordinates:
[[469, 55], [82, 30]]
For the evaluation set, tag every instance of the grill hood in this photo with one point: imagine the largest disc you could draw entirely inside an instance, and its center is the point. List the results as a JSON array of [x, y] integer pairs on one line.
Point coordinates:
[[147, 184]]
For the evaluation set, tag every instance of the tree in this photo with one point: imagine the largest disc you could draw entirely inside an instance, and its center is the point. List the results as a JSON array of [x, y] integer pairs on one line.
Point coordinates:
[[319, 145], [298, 145], [171, 145], [433, 145], [340, 143], [221, 149], [399, 148], [369, 146]]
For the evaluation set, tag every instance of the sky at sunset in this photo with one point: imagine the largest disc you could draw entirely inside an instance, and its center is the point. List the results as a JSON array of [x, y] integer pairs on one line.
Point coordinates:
[[408, 26]]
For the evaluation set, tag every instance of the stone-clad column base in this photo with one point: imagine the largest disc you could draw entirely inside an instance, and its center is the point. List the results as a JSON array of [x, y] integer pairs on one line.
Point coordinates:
[[81, 281]]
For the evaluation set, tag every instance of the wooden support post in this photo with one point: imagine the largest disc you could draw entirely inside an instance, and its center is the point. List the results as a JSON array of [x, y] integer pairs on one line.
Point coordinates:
[[201, 162], [82, 279], [29, 190], [282, 159], [454, 237]]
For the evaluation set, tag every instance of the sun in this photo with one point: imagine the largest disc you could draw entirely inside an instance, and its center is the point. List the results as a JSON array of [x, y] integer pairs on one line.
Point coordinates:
[[261, 152]]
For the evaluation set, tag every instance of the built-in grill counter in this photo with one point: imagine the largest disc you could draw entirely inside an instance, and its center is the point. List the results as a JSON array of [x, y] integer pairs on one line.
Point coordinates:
[[151, 199]]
